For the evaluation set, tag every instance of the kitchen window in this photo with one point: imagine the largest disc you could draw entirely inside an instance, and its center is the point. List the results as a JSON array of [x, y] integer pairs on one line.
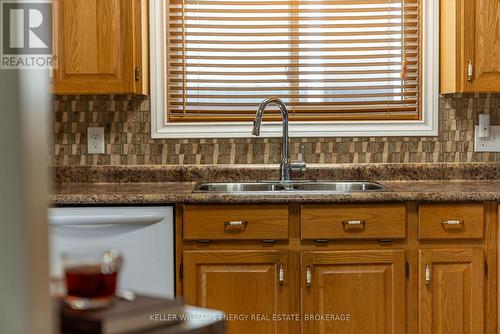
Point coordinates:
[[342, 67]]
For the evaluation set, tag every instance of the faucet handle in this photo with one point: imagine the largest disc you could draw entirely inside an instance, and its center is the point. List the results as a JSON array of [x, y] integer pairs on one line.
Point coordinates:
[[299, 165], [302, 153]]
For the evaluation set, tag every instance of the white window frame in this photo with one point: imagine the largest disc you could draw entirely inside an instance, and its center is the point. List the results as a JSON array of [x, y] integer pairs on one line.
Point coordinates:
[[428, 126]]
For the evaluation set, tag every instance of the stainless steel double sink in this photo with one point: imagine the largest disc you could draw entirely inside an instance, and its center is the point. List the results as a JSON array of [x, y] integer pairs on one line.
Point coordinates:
[[289, 186]]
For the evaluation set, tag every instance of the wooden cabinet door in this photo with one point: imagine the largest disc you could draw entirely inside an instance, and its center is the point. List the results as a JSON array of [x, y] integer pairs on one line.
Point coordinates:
[[242, 284], [481, 46], [469, 51], [451, 286], [364, 292], [99, 44]]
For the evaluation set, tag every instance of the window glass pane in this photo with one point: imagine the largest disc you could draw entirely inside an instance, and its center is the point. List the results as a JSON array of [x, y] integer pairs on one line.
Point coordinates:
[[326, 59]]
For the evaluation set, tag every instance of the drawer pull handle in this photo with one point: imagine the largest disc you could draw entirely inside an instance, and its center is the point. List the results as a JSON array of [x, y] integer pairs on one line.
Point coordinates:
[[308, 277], [353, 222], [353, 225], [235, 225], [452, 222], [282, 274]]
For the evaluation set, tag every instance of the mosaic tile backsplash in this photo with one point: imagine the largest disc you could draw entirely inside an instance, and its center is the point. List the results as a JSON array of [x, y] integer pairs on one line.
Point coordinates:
[[126, 119]]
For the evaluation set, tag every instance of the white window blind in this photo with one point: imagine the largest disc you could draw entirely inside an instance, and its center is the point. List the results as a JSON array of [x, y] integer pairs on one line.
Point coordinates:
[[327, 60]]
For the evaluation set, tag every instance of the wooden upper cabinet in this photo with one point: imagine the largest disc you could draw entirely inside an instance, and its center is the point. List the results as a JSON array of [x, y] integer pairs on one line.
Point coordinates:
[[101, 46], [240, 283], [368, 286], [470, 48], [451, 284]]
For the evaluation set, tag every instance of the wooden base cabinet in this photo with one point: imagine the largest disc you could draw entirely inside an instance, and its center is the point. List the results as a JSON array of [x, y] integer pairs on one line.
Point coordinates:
[[451, 291], [364, 291], [249, 284], [363, 268]]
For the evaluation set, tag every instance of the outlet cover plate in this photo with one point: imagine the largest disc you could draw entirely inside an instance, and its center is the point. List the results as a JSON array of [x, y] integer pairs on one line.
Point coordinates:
[[95, 140], [491, 144]]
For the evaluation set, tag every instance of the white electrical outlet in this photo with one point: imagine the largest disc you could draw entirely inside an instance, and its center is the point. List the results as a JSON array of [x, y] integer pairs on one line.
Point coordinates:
[[490, 144], [95, 140]]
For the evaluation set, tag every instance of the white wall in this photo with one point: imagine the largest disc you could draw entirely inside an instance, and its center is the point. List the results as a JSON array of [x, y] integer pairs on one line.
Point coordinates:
[[24, 272]]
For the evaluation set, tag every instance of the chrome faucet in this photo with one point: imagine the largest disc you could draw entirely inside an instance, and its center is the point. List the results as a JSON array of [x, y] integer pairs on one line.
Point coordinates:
[[286, 167]]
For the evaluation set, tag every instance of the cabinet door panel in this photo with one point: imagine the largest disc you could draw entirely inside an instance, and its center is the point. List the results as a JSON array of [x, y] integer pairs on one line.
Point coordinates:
[[243, 283], [92, 37], [451, 287], [482, 44], [366, 286], [99, 43]]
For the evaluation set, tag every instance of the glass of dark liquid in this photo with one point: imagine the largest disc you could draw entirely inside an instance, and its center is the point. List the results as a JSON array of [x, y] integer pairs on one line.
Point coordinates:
[[91, 278]]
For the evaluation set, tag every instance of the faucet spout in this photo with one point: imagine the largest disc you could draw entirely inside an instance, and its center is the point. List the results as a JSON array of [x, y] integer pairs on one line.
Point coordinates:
[[260, 112], [285, 167]]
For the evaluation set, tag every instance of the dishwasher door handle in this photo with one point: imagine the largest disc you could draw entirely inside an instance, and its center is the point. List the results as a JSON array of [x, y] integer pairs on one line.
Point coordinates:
[[88, 226], [105, 216]]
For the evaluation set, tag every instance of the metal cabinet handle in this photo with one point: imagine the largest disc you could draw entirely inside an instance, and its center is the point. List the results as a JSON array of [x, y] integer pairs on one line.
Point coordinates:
[[137, 73], [235, 225], [470, 71], [360, 223], [282, 274], [452, 222], [308, 276], [427, 275]]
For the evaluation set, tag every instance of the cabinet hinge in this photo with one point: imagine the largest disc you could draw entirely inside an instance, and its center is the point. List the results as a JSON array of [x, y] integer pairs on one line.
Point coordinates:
[[137, 73], [485, 268], [407, 269], [181, 271]]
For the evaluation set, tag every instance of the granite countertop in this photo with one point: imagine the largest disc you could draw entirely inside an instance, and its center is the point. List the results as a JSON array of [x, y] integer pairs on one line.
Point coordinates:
[[104, 185], [181, 192]]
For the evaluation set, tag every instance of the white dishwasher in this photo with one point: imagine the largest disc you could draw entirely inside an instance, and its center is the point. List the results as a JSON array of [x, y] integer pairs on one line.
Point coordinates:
[[143, 235]]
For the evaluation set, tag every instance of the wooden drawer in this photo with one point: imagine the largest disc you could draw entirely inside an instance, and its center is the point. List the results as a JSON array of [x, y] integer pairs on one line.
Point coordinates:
[[451, 221], [356, 221], [242, 222]]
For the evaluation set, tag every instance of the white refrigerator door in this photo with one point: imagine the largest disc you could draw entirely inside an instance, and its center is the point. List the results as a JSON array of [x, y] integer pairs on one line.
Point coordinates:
[[144, 236]]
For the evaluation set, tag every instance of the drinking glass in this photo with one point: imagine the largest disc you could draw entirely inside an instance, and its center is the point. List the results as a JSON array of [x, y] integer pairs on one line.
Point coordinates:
[[91, 277]]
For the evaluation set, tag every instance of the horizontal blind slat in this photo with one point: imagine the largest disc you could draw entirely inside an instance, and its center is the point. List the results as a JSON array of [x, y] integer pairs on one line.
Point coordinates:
[[178, 57], [326, 103], [253, 33], [258, 19], [174, 24], [260, 89], [176, 81], [408, 3]]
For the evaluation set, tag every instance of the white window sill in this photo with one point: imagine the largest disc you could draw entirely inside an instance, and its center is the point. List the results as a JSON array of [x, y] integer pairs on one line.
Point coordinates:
[[274, 129], [426, 127]]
